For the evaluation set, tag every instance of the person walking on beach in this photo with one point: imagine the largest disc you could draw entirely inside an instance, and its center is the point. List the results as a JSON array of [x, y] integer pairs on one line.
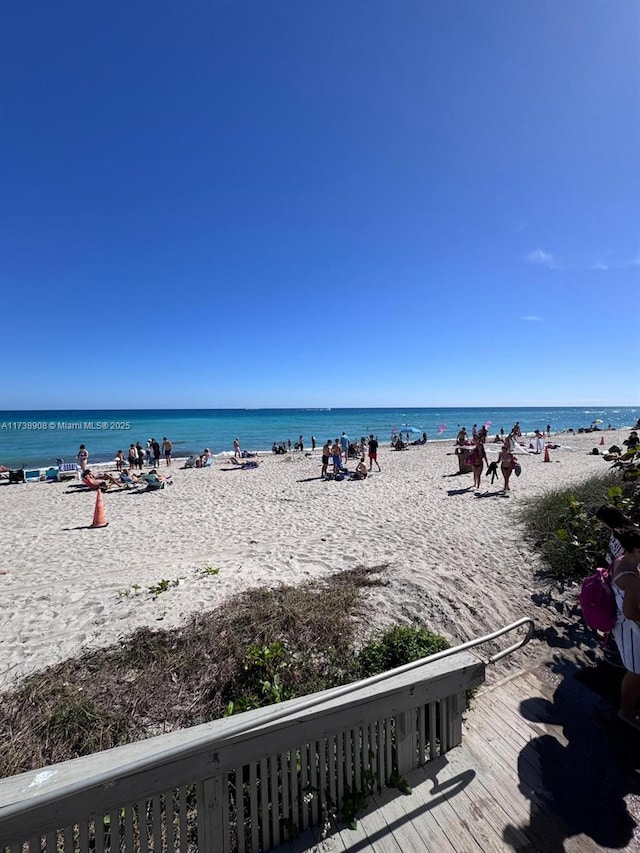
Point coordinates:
[[507, 462], [313, 442], [236, 448], [326, 454], [156, 453], [83, 458], [167, 447], [476, 459], [373, 452]]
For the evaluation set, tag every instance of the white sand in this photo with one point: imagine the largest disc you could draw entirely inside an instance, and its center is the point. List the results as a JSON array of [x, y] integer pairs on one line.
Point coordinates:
[[457, 562]]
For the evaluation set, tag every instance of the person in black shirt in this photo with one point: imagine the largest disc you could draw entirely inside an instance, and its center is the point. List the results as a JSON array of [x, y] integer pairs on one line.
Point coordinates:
[[373, 452]]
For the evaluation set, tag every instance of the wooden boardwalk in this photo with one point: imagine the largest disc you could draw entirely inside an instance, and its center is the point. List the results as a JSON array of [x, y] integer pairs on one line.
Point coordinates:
[[544, 767]]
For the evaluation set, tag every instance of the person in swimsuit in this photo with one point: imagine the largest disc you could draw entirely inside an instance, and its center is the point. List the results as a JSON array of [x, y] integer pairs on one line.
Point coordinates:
[[336, 454], [83, 457], [132, 457], [236, 447], [167, 448], [326, 453], [506, 461], [361, 471], [476, 459], [626, 589]]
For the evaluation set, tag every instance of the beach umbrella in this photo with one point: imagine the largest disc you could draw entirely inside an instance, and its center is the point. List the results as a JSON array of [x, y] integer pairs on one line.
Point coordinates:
[[407, 428], [598, 421], [487, 424], [441, 428]]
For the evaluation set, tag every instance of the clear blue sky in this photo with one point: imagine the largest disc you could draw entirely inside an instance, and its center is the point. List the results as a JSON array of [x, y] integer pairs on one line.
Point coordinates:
[[293, 203]]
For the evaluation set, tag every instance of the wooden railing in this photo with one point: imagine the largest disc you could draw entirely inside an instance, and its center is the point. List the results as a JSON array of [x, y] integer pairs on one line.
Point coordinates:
[[250, 782]]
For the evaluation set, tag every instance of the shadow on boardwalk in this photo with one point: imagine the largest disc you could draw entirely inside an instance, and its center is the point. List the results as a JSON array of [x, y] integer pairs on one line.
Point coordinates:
[[583, 769]]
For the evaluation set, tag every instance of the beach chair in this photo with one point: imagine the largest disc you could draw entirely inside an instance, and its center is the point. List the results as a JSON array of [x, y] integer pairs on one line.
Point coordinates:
[[32, 476], [68, 471], [52, 475]]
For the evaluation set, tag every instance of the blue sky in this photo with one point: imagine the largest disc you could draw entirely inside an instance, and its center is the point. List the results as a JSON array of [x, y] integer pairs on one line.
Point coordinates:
[[291, 203]]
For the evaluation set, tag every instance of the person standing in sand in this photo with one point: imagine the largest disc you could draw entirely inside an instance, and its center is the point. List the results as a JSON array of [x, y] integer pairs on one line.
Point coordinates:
[[236, 448], [336, 455], [344, 447], [167, 447], [83, 458], [313, 442], [326, 455], [373, 452]]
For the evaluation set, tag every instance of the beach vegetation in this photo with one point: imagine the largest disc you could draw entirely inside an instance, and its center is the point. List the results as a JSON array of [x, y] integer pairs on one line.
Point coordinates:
[[209, 570], [399, 645], [262, 646], [561, 524]]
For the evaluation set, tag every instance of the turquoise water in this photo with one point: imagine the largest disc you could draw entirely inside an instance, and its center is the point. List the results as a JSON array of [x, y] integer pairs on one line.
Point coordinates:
[[37, 439]]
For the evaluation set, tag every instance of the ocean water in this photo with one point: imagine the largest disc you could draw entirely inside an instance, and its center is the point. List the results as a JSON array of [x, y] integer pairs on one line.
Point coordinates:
[[39, 438]]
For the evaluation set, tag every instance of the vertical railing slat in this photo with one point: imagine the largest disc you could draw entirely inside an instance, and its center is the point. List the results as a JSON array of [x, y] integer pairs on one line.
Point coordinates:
[[314, 759], [51, 843], [225, 805], [253, 807], [340, 769], [422, 726], [83, 837], [142, 826], [275, 800], [264, 805], [333, 788], [388, 746], [156, 824], [114, 832], [433, 746], [169, 817], [128, 829], [323, 748], [304, 785], [442, 714], [284, 788], [293, 787], [240, 811], [183, 831]]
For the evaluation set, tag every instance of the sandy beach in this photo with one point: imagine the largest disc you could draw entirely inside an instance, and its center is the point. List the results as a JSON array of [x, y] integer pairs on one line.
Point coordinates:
[[457, 560]]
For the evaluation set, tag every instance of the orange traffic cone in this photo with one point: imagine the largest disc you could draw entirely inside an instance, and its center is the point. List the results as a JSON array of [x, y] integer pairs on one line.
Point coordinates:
[[99, 518], [601, 441], [546, 454]]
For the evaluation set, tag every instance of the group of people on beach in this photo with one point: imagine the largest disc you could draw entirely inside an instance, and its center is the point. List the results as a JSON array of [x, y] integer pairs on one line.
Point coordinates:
[[476, 454], [137, 455], [339, 451]]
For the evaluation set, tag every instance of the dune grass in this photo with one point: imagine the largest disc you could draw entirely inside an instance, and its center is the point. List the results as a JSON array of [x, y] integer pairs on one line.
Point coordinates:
[[263, 646]]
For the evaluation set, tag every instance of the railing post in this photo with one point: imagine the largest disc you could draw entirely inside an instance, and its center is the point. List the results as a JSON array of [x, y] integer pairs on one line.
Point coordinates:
[[210, 816], [406, 741]]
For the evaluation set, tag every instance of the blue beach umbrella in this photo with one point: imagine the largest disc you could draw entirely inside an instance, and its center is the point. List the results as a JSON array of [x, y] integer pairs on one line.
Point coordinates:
[[407, 428]]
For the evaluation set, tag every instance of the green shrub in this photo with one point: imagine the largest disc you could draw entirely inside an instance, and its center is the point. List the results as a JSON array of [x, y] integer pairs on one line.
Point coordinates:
[[397, 646], [563, 528]]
